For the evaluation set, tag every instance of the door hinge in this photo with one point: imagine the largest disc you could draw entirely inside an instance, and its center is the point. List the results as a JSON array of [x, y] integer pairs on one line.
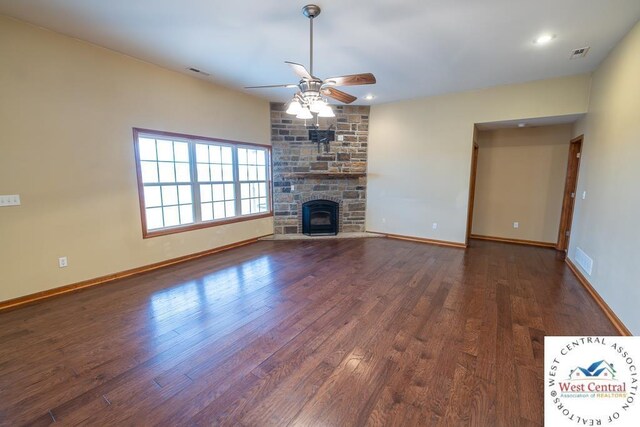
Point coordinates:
[[573, 195], [566, 233], [578, 155]]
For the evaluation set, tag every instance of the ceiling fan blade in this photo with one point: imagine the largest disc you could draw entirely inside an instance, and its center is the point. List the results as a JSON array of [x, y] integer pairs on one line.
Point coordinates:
[[339, 95], [300, 70], [268, 86], [351, 80]]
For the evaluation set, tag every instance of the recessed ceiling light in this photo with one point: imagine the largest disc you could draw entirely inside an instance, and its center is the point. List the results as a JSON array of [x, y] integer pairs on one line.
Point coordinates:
[[521, 125], [544, 39], [369, 97]]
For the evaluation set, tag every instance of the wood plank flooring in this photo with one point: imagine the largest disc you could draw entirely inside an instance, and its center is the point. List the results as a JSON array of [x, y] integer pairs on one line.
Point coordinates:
[[330, 332]]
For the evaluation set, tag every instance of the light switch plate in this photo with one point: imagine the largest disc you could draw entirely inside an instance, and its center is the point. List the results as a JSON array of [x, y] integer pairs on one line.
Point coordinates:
[[516, 224], [10, 200], [340, 137]]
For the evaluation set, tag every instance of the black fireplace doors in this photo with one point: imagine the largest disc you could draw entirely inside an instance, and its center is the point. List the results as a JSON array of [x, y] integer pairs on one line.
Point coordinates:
[[320, 217]]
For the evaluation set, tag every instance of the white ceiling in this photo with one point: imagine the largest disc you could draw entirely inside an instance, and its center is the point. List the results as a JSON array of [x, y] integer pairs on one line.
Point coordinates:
[[414, 47]]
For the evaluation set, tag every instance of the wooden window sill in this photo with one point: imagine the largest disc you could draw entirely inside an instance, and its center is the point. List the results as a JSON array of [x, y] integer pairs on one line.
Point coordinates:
[[208, 224]]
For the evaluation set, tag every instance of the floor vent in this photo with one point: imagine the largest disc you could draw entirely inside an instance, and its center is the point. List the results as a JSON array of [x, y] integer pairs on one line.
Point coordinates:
[[579, 53], [584, 261]]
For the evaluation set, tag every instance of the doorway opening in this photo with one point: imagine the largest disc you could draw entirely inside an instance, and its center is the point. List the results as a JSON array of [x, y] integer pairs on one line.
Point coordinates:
[[521, 187]]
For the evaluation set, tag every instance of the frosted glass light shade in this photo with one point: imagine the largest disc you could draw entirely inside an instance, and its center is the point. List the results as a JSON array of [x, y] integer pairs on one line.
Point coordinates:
[[326, 111], [294, 107], [304, 114], [317, 106]]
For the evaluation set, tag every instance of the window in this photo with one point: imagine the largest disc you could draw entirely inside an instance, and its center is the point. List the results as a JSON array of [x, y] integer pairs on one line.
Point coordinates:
[[253, 181], [188, 182]]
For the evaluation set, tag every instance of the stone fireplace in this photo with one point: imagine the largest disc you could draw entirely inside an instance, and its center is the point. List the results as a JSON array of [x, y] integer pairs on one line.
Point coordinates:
[[305, 171]]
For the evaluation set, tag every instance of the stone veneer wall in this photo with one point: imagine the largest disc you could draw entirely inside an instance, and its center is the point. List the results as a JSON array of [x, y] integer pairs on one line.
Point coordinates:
[[293, 153]]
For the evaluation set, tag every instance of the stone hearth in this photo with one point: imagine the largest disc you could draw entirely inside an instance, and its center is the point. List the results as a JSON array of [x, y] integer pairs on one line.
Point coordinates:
[[302, 171]]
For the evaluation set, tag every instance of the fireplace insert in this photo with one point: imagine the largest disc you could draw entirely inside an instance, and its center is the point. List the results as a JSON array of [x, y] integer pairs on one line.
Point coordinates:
[[320, 217]]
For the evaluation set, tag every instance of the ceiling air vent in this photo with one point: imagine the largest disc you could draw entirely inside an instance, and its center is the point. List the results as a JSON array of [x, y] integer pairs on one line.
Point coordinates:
[[195, 70], [579, 53]]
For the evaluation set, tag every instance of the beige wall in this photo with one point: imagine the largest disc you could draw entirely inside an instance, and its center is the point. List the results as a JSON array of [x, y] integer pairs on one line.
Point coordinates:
[[521, 178], [67, 109], [420, 151], [606, 223]]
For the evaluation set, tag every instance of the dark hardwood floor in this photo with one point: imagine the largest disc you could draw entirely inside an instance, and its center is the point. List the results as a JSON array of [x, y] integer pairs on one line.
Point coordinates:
[[330, 332]]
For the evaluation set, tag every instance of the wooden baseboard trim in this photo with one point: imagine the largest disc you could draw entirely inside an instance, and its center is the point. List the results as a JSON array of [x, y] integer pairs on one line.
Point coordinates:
[[615, 321], [423, 240], [74, 287], [514, 241]]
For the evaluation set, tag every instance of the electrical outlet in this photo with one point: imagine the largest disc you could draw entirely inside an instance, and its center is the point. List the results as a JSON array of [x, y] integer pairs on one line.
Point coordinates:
[[516, 225], [62, 262], [10, 200], [434, 226], [293, 187]]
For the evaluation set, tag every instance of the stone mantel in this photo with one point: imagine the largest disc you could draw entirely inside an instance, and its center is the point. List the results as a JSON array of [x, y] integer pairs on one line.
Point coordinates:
[[328, 175]]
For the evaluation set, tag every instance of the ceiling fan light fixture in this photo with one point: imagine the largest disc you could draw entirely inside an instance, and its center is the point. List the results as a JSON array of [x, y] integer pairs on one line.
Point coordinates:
[[304, 114], [317, 105], [326, 111], [294, 107]]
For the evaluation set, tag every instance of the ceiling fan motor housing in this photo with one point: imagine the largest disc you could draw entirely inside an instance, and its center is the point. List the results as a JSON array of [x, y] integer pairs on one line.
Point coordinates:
[[310, 85], [310, 90]]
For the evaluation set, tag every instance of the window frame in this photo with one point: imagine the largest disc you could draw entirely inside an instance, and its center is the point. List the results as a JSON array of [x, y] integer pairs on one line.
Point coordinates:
[[194, 183]]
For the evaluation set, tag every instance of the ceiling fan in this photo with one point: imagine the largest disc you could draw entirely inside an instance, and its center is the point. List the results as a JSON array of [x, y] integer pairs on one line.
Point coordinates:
[[311, 97]]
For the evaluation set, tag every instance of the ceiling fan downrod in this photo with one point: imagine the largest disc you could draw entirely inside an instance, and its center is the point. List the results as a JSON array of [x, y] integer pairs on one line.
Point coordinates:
[[311, 11]]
